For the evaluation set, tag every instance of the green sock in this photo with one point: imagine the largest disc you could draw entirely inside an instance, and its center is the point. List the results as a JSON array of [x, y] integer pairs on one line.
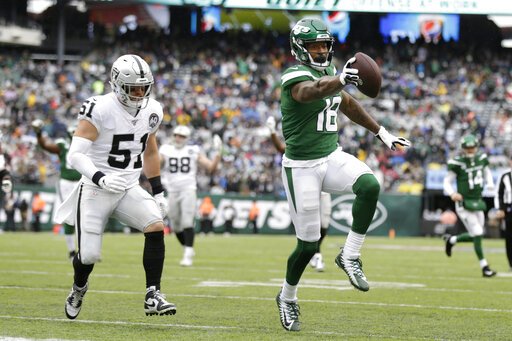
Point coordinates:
[[68, 229], [366, 189], [299, 259], [464, 238], [477, 245]]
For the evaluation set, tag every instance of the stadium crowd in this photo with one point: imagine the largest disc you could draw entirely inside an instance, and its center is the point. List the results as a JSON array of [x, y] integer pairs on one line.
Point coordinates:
[[228, 84]]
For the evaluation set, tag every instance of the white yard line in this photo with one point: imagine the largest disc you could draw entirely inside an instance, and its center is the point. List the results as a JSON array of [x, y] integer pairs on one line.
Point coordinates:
[[377, 304]]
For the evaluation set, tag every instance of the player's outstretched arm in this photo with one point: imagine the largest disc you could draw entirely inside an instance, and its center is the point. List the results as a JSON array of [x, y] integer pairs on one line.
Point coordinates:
[[37, 126], [309, 91], [357, 114], [271, 125], [211, 165]]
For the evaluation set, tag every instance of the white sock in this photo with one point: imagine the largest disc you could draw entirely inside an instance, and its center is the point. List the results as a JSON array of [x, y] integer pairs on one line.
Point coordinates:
[[453, 240], [70, 242], [353, 245], [483, 263], [189, 251], [289, 292]]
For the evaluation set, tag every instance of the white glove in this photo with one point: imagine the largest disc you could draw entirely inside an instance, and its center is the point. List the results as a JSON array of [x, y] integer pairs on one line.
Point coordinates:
[[348, 74], [391, 140], [161, 201], [271, 124], [217, 143], [7, 185], [37, 125], [113, 183]]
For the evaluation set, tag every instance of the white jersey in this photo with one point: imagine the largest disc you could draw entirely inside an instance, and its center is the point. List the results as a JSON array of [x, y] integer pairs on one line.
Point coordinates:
[[180, 167], [122, 137]]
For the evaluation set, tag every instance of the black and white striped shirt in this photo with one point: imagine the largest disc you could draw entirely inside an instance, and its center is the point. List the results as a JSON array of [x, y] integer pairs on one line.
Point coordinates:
[[503, 197]]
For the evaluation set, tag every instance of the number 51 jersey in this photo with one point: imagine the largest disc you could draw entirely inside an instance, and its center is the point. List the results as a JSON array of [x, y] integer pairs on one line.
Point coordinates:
[[180, 167], [122, 137]]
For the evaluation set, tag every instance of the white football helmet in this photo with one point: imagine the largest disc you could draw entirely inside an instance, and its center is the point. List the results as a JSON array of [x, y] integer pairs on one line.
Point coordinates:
[[181, 130], [128, 74]]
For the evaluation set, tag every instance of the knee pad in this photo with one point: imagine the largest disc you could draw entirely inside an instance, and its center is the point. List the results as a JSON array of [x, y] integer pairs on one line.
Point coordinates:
[[307, 249], [367, 187], [88, 257]]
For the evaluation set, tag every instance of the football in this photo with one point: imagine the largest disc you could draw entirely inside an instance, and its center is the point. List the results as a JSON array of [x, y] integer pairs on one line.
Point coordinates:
[[369, 75]]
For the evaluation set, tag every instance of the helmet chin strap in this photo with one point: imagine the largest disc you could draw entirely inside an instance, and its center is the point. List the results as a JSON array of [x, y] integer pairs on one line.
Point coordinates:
[[130, 110], [316, 65]]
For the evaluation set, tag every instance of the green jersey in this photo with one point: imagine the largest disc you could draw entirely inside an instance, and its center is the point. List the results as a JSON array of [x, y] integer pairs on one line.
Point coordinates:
[[310, 129], [470, 179], [65, 172]]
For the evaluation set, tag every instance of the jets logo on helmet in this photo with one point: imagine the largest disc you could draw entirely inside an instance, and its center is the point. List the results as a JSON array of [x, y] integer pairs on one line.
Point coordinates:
[[300, 29], [131, 80], [469, 144], [308, 31]]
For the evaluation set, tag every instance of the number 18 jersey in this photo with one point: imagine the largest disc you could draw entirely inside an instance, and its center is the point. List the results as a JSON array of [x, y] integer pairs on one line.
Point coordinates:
[[310, 129], [179, 167]]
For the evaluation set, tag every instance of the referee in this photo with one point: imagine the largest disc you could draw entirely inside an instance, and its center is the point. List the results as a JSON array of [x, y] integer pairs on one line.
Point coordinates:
[[503, 202]]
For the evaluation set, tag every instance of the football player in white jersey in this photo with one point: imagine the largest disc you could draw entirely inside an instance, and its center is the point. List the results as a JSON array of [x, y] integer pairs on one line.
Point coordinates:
[[114, 141], [316, 261], [180, 163]]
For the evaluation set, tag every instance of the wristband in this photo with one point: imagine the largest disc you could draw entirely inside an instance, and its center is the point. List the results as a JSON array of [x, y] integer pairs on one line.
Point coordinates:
[[156, 185], [97, 177]]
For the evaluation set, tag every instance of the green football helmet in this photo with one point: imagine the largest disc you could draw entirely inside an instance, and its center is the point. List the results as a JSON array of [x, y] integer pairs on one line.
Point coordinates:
[[307, 31], [467, 142]]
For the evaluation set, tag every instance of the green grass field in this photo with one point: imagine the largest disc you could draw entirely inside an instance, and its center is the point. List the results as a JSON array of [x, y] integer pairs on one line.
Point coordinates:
[[417, 293]]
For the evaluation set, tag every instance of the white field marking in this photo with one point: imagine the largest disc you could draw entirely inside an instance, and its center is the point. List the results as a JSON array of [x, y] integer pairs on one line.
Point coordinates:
[[252, 298], [34, 261], [276, 285], [9, 338], [47, 273], [122, 323], [315, 284], [460, 247], [476, 277]]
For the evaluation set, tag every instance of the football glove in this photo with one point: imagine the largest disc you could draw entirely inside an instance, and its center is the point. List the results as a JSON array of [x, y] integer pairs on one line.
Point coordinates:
[[161, 201], [37, 125], [391, 140], [113, 183], [217, 143], [271, 124], [7, 185], [348, 74]]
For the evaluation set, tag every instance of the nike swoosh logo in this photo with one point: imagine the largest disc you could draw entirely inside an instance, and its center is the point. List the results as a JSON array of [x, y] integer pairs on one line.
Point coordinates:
[[152, 304]]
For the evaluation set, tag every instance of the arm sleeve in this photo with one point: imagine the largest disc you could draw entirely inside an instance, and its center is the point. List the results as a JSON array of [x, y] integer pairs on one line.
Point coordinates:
[[78, 159], [447, 183]]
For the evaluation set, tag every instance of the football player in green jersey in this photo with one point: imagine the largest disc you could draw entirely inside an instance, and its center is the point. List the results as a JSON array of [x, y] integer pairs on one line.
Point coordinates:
[[311, 98], [470, 171], [68, 176]]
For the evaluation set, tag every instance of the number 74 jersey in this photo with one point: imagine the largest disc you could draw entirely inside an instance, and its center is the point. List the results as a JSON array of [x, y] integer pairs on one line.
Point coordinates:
[[122, 137], [179, 167]]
